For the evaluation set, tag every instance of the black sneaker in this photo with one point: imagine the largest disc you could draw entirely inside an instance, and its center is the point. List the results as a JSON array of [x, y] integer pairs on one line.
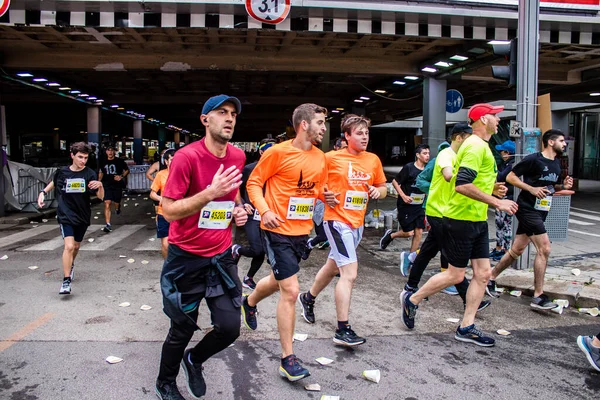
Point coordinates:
[[482, 306], [249, 314], [193, 376], [66, 286], [473, 335], [249, 283], [118, 211], [408, 288], [409, 310], [291, 369], [308, 308], [542, 303], [307, 249], [107, 228], [168, 391], [386, 239], [491, 289], [347, 337], [235, 252]]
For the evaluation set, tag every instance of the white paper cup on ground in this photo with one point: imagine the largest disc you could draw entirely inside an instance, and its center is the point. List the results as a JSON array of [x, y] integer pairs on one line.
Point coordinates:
[[125, 304], [503, 332], [324, 360], [594, 312], [576, 271], [300, 336], [33, 267], [145, 307], [561, 302], [131, 261], [373, 375], [516, 293], [558, 310], [313, 387], [113, 359], [453, 320]]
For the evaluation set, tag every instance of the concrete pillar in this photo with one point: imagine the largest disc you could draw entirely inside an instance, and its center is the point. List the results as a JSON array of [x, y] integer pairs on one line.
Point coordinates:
[[138, 155], [162, 138], [176, 139], [434, 113], [94, 124], [186, 139]]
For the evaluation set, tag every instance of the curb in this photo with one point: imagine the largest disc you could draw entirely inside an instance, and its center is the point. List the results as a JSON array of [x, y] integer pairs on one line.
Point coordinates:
[[579, 295]]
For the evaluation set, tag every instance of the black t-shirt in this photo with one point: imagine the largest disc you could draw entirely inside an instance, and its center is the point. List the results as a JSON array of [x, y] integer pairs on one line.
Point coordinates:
[[537, 171], [503, 170], [246, 171], [112, 168], [71, 190], [406, 178]]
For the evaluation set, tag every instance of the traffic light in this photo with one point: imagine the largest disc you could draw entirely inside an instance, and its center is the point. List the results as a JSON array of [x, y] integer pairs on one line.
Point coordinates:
[[507, 73]]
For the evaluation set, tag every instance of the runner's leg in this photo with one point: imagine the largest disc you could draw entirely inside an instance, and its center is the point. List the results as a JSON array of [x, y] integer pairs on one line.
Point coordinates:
[[324, 277], [517, 248], [481, 275], [67, 257], [286, 313], [542, 245], [343, 290]]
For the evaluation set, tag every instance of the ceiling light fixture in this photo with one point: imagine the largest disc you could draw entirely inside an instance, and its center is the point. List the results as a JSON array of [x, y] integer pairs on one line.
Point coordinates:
[[340, 108], [495, 42], [52, 84], [25, 75], [443, 64], [358, 101], [84, 95], [594, 94], [365, 98], [411, 78], [64, 88], [74, 92], [40, 80], [380, 91], [428, 69], [335, 111], [92, 98], [114, 106], [399, 83], [457, 57]]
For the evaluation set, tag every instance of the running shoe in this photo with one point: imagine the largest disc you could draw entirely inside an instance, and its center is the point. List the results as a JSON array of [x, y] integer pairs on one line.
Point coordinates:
[[498, 256], [323, 245], [249, 314], [409, 310], [249, 283], [493, 252], [167, 391], [193, 376], [408, 288], [491, 289], [72, 274], [386, 239], [66, 286], [347, 337], [592, 353], [542, 303], [107, 228], [471, 334], [451, 290], [405, 263], [291, 369], [307, 249], [235, 252], [118, 211], [482, 306], [308, 308]]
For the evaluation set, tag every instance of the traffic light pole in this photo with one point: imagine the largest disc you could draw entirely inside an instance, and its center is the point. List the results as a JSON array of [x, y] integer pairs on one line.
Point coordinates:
[[527, 81]]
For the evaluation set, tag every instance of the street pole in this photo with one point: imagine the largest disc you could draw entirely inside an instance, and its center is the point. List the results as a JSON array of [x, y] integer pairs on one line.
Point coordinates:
[[527, 80]]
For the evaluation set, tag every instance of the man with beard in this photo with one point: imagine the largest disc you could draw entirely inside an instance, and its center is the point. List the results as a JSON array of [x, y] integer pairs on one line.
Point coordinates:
[[541, 178], [283, 188], [200, 200]]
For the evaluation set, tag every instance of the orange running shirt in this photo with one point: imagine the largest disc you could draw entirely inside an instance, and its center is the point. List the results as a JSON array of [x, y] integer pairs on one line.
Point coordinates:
[[347, 175], [158, 185], [292, 179]]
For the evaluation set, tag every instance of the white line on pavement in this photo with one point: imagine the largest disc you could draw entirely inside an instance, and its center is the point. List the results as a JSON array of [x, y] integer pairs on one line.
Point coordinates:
[[583, 209], [110, 239], [148, 245], [26, 234], [57, 242], [577, 222], [592, 217], [584, 233]]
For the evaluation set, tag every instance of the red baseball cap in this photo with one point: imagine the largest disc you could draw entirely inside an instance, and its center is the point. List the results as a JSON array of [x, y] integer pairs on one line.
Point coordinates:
[[479, 110]]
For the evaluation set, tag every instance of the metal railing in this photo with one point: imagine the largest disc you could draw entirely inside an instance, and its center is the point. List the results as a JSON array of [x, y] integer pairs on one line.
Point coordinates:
[[136, 180], [28, 187]]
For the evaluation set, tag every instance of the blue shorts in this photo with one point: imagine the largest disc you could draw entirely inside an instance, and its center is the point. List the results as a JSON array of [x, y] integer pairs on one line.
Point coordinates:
[[162, 227], [78, 232]]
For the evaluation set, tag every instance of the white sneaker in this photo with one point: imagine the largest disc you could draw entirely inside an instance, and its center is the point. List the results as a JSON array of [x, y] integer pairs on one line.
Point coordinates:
[[66, 287]]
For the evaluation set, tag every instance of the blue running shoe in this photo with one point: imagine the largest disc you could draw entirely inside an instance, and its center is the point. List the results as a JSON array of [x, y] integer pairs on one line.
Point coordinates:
[[592, 353], [249, 314], [451, 290], [471, 334], [405, 263], [409, 310], [291, 369]]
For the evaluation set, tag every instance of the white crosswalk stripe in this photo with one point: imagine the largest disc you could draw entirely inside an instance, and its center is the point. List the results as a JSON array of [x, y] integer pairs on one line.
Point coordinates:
[[149, 245], [26, 234], [58, 241], [586, 216], [116, 236]]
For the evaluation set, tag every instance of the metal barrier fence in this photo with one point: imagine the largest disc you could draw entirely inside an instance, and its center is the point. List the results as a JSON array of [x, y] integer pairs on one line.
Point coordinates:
[[136, 180], [28, 187], [557, 221]]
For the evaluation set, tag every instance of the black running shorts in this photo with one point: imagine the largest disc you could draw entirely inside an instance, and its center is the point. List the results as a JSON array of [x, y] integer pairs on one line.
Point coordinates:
[[411, 217], [113, 194], [531, 222], [284, 253], [464, 241], [77, 231]]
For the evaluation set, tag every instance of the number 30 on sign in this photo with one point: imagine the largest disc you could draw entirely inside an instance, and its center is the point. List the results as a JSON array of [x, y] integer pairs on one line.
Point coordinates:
[[268, 11]]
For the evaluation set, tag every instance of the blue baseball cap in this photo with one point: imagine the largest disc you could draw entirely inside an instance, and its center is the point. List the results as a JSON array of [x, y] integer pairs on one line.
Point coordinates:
[[509, 146], [216, 101]]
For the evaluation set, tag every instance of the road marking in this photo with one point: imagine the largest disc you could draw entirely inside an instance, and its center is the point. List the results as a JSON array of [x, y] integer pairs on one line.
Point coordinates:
[[26, 330], [592, 217], [148, 245], [26, 234], [58, 242], [583, 209], [584, 233], [110, 239], [577, 222]]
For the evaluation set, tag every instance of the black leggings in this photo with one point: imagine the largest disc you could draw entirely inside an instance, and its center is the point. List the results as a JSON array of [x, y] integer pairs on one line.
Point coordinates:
[[255, 250], [321, 236], [429, 249]]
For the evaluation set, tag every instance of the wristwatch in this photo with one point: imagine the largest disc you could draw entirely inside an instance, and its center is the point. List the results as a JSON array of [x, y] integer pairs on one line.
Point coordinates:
[[43, 191]]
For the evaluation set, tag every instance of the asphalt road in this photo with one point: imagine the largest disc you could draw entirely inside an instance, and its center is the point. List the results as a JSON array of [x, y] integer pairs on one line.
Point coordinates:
[[53, 347]]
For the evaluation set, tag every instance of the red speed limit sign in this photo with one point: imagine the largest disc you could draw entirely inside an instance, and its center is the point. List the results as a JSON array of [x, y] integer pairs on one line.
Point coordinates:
[[4, 4], [268, 11]]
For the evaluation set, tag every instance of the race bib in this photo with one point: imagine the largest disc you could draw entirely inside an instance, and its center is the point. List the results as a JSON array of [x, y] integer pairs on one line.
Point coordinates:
[[356, 200], [301, 208], [417, 198], [543, 204], [75, 185], [256, 216], [216, 215]]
